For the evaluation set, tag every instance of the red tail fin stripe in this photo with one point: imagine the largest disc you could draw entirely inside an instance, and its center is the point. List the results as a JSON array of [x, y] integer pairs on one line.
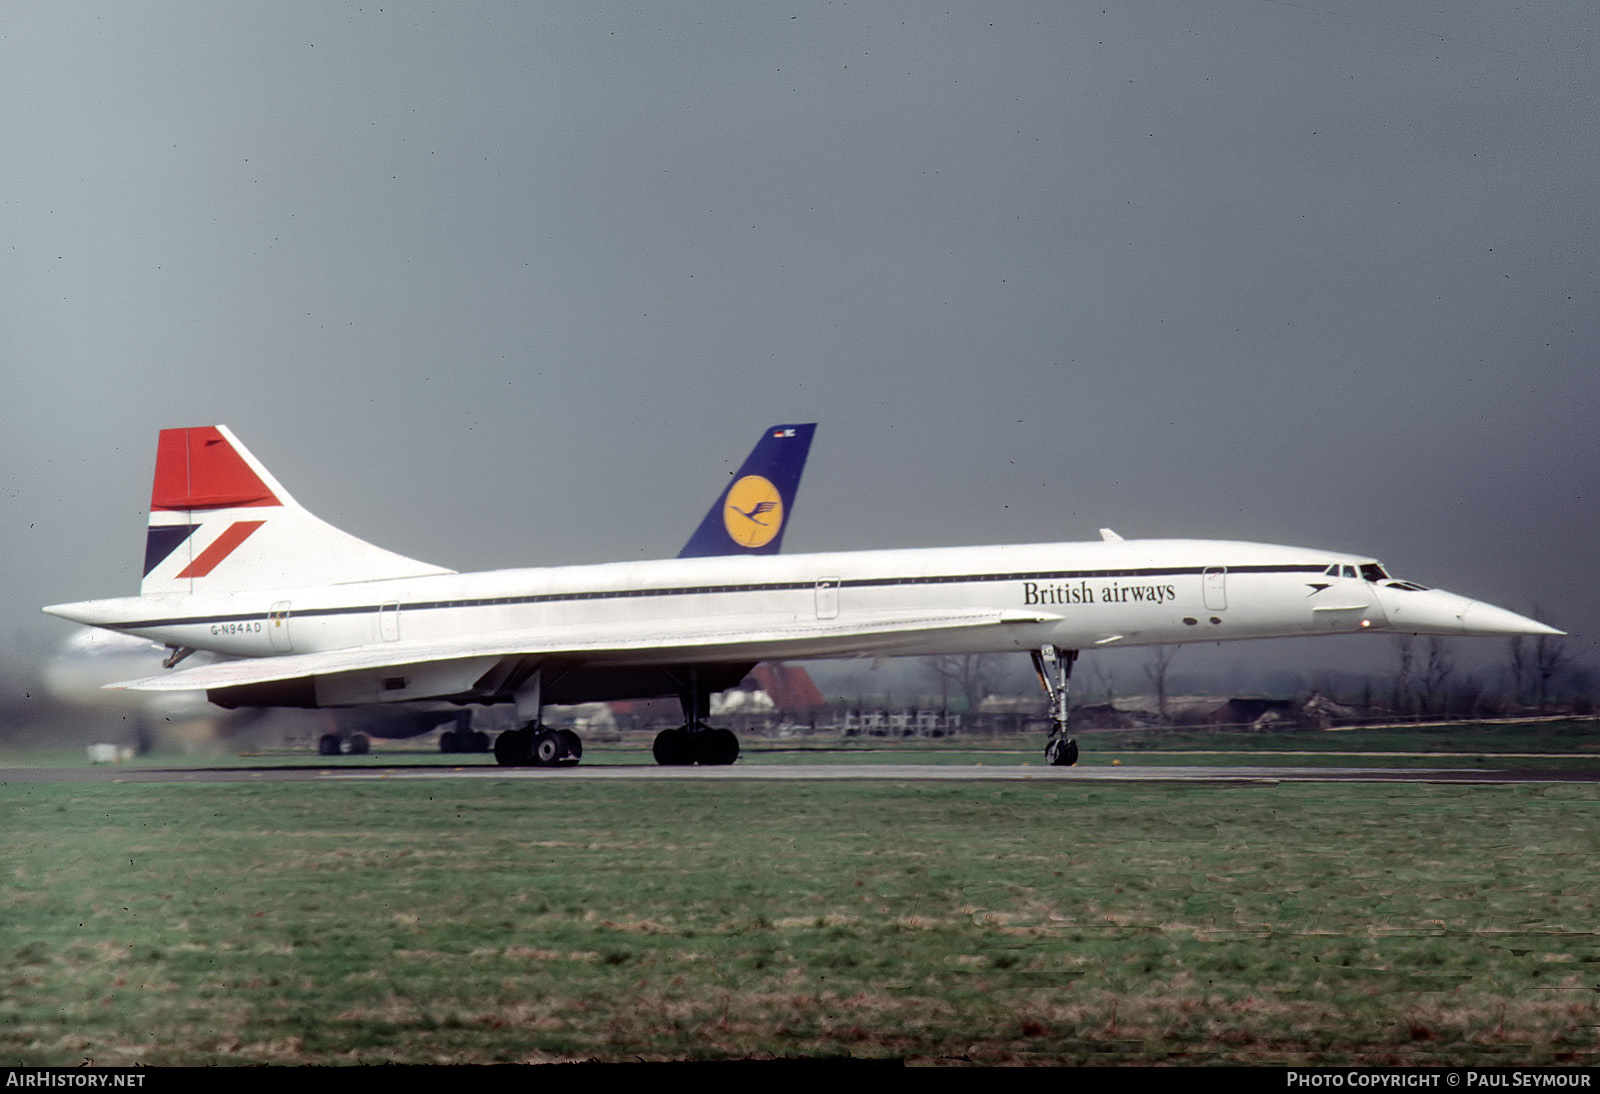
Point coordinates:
[[221, 548], [197, 468]]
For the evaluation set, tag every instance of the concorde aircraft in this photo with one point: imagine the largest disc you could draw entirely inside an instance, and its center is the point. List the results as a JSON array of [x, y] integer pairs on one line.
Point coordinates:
[[311, 616]]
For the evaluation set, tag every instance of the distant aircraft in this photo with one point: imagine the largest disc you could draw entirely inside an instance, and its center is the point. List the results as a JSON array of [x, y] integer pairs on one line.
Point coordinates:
[[78, 673], [766, 482], [318, 618], [90, 660]]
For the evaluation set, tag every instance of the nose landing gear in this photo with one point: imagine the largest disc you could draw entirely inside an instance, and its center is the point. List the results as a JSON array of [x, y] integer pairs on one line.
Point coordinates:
[[1054, 668]]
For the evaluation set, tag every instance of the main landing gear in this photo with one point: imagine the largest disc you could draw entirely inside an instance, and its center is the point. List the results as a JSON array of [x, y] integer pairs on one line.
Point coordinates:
[[694, 742], [535, 745], [357, 744], [463, 738], [683, 746], [1055, 669]]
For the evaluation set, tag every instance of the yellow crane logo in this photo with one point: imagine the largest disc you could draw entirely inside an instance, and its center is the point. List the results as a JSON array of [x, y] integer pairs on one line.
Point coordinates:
[[753, 512]]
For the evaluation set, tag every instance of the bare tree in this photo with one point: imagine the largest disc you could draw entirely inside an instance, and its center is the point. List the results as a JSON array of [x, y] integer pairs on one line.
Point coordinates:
[[1469, 697], [1536, 666], [1517, 666], [1550, 661], [1107, 681], [1437, 667], [1405, 670], [969, 675], [1156, 669]]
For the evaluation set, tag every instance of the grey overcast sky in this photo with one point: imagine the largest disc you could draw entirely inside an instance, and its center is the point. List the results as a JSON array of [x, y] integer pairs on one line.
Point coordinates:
[[517, 283]]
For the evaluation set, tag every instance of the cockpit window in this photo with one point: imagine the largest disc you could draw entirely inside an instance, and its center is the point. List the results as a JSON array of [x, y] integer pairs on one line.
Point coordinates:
[[1331, 571], [1349, 571], [1373, 572]]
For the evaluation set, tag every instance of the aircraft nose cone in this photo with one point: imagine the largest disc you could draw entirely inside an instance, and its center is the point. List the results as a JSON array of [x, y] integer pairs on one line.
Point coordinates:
[[1480, 618]]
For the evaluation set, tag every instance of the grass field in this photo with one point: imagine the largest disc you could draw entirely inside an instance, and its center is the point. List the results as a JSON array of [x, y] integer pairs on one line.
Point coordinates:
[[538, 920]]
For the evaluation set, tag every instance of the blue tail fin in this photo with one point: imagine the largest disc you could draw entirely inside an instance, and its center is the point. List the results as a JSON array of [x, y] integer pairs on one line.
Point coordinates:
[[749, 516]]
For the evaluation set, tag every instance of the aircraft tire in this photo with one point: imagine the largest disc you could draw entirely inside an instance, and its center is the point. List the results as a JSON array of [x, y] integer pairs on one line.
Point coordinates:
[[327, 745], [571, 748], [673, 748], [511, 748], [360, 744], [480, 741], [448, 742], [1061, 753], [546, 748], [716, 747]]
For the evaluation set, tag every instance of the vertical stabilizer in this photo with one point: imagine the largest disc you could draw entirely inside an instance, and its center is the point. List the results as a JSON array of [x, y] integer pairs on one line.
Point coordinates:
[[748, 518], [219, 522]]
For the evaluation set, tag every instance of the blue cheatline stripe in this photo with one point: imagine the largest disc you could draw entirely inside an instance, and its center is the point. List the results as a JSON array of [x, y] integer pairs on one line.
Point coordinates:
[[769, 586]]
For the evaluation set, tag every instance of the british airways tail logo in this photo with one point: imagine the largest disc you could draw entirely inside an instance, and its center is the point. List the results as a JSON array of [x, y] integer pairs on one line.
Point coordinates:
[[163, 540]]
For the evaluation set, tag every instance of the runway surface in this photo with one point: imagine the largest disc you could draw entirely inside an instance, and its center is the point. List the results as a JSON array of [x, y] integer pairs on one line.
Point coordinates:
[[371, 771]]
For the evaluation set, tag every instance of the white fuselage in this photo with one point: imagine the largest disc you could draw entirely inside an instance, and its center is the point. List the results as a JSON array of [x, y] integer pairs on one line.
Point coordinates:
[[1071, 595]]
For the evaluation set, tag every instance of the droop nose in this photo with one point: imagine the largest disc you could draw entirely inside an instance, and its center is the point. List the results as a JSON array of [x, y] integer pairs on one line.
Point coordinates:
[[1434, 611], [1480, 618]]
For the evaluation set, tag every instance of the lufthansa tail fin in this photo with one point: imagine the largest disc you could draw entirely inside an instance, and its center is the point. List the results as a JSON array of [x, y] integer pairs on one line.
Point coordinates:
[[748, 517], [219, 522]]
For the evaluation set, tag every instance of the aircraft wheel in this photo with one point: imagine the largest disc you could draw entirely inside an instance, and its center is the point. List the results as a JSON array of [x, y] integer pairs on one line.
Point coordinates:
[[1061, 753], [480, 741], [673, 747], [547, 748], [716, 747], [448, 742], [327, 745], [571, 747], [360, 744], [511, 748]]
